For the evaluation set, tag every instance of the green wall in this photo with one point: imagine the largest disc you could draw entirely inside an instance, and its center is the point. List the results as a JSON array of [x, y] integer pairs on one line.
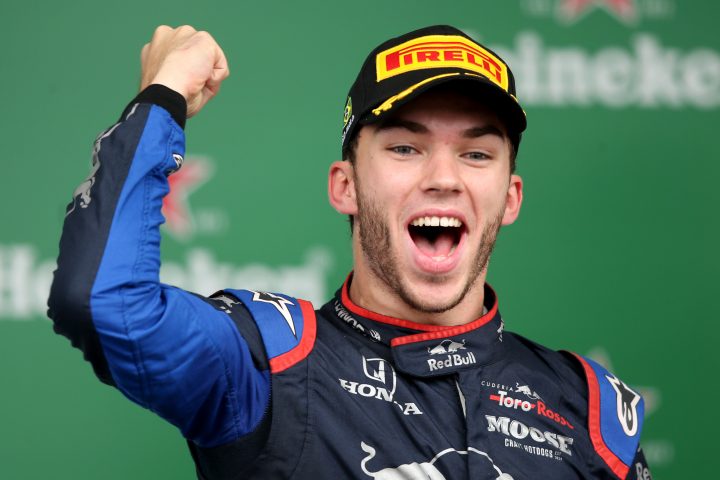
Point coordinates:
[[615, 253]]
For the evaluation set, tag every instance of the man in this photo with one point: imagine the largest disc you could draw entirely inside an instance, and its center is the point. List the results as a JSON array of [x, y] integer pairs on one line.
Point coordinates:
[[407, 372]]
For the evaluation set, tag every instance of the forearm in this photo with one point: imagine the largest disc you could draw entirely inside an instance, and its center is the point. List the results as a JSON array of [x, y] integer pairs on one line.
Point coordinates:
[[110, 238]]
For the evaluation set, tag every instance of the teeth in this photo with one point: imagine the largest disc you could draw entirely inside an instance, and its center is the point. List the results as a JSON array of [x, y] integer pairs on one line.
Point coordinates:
[[436, 222]]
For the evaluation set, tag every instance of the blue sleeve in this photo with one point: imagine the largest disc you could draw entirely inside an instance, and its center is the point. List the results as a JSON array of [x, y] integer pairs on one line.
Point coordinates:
[[615, 417], [166, 349]]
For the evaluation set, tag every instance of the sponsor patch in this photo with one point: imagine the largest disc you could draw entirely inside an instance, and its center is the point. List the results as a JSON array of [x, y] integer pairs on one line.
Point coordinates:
[[281, 305], [345, 316], [530, 439], [627, 401], [538, 406], [441, 51], [348, 119], [448, 352], [381, 387]]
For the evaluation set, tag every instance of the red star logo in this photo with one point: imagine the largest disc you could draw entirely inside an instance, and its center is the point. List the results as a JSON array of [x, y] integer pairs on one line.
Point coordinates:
[[178, 216], [571, 10]]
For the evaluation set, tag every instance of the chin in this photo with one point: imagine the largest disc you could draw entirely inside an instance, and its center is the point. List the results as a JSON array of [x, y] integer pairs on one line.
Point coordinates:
[[435, 293]]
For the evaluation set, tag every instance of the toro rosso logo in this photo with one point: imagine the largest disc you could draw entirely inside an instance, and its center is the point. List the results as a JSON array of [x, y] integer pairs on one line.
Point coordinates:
[[539, 407]]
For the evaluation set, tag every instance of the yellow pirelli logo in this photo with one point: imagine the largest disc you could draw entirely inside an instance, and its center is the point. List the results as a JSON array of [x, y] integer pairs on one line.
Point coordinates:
[[441, 51]]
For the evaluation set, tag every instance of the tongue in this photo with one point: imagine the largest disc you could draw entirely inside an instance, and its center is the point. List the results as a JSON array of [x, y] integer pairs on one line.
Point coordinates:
[[440, 247]]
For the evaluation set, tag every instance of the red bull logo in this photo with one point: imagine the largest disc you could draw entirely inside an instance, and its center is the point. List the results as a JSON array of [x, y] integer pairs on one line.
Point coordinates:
[[447, 346], [453, 359]]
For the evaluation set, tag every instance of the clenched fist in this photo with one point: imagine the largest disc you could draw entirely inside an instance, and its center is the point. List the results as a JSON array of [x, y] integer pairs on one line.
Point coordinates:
[[187, 61]]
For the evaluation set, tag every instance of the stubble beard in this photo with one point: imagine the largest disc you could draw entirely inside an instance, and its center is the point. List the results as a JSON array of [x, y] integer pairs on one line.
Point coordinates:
[[377, 249]]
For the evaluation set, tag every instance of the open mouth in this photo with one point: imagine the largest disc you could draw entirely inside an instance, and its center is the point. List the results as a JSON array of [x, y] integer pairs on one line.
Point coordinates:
[[436, 237]]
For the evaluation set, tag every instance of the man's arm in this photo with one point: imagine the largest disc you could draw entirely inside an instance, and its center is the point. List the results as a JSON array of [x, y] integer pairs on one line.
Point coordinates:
[[164, 348]]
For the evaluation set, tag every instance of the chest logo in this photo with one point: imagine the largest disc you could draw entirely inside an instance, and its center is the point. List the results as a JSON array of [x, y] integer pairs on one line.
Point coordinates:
[[532, 440], [447, 354], [525, 390], [447, 346], [381, 386], [504, 399]]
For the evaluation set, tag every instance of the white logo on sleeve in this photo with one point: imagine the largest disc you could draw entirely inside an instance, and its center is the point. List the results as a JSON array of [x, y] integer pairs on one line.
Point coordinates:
[[280, 303], [627, 401]]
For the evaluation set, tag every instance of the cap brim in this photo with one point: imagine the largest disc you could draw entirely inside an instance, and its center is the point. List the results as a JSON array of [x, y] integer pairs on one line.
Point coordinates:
[[500, 101]]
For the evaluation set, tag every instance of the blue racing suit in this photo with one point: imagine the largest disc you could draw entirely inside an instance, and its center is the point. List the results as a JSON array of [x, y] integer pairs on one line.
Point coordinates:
[[262, 386]]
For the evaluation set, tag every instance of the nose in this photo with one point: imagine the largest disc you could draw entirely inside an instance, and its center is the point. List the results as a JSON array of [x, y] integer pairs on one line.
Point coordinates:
[[442, 173]]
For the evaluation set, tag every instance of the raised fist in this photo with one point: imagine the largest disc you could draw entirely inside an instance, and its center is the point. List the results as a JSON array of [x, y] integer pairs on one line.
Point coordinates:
[[187, 61]]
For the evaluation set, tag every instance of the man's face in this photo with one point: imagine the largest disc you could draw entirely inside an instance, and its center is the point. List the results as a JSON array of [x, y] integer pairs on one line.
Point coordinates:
[[432, 185]]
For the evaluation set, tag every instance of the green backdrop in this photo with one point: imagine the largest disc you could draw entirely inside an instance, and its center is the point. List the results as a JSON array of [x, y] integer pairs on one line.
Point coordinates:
[[615, 253]]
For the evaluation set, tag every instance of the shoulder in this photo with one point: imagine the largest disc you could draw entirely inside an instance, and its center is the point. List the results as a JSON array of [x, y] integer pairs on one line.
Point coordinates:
[[614, 411], [615, 416], [559, 367], [287, 325]]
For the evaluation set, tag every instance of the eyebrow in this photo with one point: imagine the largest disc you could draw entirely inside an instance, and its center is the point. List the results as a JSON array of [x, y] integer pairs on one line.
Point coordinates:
[[415, 127], [391, 123], [476, 132]]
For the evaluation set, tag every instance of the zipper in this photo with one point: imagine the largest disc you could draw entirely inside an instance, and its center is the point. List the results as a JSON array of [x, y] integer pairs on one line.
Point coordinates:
[[461, 395]]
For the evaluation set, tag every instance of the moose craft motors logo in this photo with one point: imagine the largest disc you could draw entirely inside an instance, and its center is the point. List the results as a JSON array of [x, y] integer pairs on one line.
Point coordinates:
[[383, 386], [449, 349], [544, 443], [441, 51]]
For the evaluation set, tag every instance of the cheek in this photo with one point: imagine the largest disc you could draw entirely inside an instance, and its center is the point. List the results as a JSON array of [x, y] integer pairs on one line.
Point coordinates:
[[388, 190], [491, 199]]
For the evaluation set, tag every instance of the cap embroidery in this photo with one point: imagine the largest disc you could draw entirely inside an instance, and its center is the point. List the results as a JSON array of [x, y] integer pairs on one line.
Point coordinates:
[[441, 51]]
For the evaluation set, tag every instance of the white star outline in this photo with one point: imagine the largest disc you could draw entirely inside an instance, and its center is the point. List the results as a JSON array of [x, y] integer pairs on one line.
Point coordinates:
[[280, 303]]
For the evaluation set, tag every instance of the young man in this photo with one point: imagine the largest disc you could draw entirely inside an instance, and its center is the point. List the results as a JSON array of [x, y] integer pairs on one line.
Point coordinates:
[[407, 372]]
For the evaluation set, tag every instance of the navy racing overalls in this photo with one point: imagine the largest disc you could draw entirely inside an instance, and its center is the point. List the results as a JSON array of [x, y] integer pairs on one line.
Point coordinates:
[[263, 386]]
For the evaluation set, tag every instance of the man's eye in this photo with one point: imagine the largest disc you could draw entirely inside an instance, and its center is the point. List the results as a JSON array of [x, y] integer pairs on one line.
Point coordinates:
[[477, 156], [402, 149]]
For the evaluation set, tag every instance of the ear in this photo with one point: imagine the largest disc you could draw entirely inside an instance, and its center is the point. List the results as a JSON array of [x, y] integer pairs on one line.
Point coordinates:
[[341, 187], [514, 199]]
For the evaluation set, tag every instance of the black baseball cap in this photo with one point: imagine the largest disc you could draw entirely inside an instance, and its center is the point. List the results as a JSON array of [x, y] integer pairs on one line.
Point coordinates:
[[402, 68]]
